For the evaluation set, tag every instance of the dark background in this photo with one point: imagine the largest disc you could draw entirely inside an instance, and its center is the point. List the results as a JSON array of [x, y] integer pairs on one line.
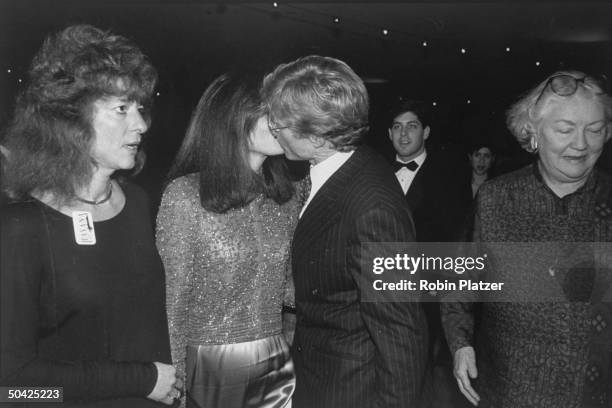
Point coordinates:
[[191, 42]]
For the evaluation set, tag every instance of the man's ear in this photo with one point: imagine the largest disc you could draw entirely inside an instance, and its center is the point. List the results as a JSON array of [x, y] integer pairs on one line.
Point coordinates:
[[317, 141], [426, 132], [389, 131]]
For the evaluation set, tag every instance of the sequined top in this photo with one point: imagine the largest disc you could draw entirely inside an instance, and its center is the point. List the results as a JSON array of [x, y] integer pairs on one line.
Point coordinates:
[[226, 274]]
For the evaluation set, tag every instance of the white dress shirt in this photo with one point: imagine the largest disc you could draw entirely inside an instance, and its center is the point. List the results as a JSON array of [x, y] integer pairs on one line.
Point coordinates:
[[321, 172], [405, 176]]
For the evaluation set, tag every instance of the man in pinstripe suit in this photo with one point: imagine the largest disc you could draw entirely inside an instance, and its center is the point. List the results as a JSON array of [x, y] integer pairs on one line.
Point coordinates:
[[348, 352]]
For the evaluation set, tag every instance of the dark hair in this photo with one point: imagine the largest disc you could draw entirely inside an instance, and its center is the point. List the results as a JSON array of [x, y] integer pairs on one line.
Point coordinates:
[[475, 146], [51, 133], [319, 96], [217, 145], [421, 110]]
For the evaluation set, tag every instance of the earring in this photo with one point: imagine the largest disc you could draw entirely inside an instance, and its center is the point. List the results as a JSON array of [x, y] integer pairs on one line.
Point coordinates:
[[534, 144]]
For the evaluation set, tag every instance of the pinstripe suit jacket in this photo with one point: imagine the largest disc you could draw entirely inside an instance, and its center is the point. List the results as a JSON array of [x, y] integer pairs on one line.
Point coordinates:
[[347, 352]]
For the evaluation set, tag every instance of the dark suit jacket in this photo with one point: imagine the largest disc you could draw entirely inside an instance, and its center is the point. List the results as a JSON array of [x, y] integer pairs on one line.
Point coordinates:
[[439, 198], [348, 352]]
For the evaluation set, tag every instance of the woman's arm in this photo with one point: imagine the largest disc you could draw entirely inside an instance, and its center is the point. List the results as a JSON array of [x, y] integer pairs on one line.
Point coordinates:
[[175, 230], [458, 325]]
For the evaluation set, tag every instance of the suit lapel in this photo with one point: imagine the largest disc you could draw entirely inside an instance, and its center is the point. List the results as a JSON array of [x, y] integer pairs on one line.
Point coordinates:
[[324, 209]]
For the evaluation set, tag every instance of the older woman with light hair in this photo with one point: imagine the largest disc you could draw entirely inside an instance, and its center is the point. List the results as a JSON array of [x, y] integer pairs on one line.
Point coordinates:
[[542, 353]]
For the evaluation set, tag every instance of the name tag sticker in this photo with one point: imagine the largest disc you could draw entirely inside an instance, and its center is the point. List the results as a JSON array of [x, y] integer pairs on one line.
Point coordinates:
[[84, 233]]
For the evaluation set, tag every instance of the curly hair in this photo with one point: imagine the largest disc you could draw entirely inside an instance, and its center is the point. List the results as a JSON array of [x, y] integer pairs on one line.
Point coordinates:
[[319, 96], [524, 112], [217, 143], [51, 134]]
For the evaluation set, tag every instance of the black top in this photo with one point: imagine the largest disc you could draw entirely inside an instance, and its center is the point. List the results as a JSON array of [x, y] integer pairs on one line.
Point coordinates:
[[88, 318]]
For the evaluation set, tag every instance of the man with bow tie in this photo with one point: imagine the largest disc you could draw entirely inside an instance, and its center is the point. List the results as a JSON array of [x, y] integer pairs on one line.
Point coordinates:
[[435, 185]]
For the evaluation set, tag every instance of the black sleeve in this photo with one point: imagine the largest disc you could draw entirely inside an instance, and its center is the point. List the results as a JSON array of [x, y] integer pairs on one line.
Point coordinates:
[[25, 313], [458, 317]]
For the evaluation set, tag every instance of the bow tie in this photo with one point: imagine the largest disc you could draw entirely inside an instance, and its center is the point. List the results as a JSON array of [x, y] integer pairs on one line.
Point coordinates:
[[412, 166]]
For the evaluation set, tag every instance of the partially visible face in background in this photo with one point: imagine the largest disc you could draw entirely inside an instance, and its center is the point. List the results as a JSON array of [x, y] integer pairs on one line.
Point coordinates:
[[408, 135], [481, 161]]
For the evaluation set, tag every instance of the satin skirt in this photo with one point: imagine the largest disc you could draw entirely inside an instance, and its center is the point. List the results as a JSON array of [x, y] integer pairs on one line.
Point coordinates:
[[253, 374]]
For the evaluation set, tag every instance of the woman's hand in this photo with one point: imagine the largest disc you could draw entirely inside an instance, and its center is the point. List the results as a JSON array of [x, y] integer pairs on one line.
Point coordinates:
[[168, 387], [465, 368]]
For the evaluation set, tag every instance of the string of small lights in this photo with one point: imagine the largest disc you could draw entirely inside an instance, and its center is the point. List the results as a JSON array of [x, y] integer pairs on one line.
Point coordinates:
[[362, 28], [351, 25]]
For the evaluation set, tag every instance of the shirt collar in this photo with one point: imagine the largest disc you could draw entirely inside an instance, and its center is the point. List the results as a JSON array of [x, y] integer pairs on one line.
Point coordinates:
[[418, 160], [320, 172]]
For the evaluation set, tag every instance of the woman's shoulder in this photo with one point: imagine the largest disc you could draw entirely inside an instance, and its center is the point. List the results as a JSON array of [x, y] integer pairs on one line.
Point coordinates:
[[17, 210], [603, 189], [508, 182], [21, 217], [513, 187], [182, 188], [181, 194], [133, 192], [603, 177]]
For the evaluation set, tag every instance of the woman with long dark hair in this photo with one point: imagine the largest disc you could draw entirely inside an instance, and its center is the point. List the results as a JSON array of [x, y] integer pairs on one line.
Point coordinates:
[[223, 232]]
